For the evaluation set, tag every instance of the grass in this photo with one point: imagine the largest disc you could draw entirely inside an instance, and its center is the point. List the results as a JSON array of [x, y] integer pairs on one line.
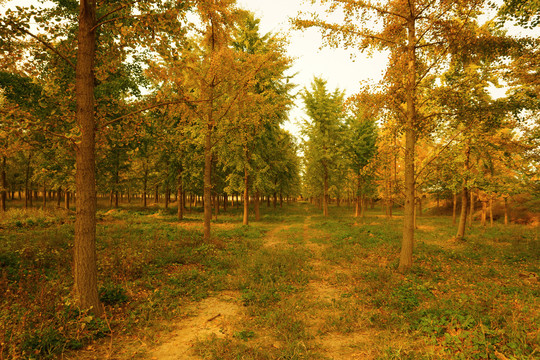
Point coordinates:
[[312, 287]]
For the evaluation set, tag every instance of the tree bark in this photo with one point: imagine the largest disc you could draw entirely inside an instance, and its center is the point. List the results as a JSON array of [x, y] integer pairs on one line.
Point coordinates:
[[3, 197], [44, 196], [471, 210], [464, 197], [491, 211], [325, 195], [85, 261], [207, 181], [505, 210], [66, 200], [454, 209], [245, 220], [180, 195], [407, 244], [145, 183], [257, 207]]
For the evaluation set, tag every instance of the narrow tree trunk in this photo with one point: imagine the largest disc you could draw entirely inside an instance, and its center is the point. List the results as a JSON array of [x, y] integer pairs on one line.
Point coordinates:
[[257, 208], [180, 195], [27, 192], [225, 201], [464, 198], [145, 183], [245, 220], [156, 194], [3, 197], [275, 200], [167, 198], [85, 262], [58, 197], [208, 181], [471, 210], [44, 196], [484, 212], [505, 210], [491, 211], [325, 195], [66, 200], [405, 259], [454, 208]]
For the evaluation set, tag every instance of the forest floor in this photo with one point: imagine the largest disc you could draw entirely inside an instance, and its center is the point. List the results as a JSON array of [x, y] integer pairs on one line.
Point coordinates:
[[294, 285]]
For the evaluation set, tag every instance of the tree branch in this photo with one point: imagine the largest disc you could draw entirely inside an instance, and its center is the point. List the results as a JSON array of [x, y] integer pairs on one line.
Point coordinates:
[[149, 108], [112, 12], [45, 43]]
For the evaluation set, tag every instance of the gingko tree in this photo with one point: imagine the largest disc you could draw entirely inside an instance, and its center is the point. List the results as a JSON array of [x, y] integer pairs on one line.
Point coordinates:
[[418, 35], [130, 26], [323, 129], [360, 143]]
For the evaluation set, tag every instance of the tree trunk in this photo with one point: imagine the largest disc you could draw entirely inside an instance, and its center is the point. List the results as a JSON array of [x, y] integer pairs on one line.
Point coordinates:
[[58, 197], [464, 197], [484, 212], [275, 200], [167, 198], [3, 197], [156, 194], [225, 201], [491, 211], [180, 195], [66, 200], [471, 210], [245, 220], [44, 196], [27, 192], [257, 208], [325, 194], [145, 183], [85, 262], [208, 181], [505, 210], [454, 209], [405, 259]]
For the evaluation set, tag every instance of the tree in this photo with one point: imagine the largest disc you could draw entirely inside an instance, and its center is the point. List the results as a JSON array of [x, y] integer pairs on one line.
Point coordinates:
[[419, 34], [326, 112]]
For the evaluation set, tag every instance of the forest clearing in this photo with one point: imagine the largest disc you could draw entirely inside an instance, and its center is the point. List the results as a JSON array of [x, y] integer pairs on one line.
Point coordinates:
[[173, 186], [294, 285]]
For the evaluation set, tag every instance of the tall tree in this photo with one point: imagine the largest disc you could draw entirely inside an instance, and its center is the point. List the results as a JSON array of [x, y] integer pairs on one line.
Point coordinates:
[[418, 34], [326, 112]]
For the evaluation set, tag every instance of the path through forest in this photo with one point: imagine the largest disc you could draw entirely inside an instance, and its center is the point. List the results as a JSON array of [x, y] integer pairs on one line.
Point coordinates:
[[222, 315]]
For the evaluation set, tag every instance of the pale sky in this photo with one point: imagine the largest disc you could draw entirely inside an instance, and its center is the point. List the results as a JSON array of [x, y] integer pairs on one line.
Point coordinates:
[[333, 65]]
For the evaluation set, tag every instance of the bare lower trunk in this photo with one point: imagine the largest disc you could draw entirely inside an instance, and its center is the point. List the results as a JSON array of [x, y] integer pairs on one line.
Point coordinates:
[[3, 185], [407, 243], [505, 210], [454, 209], [257, 207], [207, 183], [180, 196], [484, 213], [325, 195], [66, 199], [491, 211], [464, 198], [246, 197], [84, 260], [471, 210]]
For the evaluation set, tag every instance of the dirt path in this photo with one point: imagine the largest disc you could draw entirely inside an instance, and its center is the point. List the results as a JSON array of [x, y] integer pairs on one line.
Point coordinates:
[[214, 316], [221, 315]]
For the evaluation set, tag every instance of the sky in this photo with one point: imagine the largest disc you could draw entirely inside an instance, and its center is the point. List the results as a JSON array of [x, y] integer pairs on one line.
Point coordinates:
[[333, 65]]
